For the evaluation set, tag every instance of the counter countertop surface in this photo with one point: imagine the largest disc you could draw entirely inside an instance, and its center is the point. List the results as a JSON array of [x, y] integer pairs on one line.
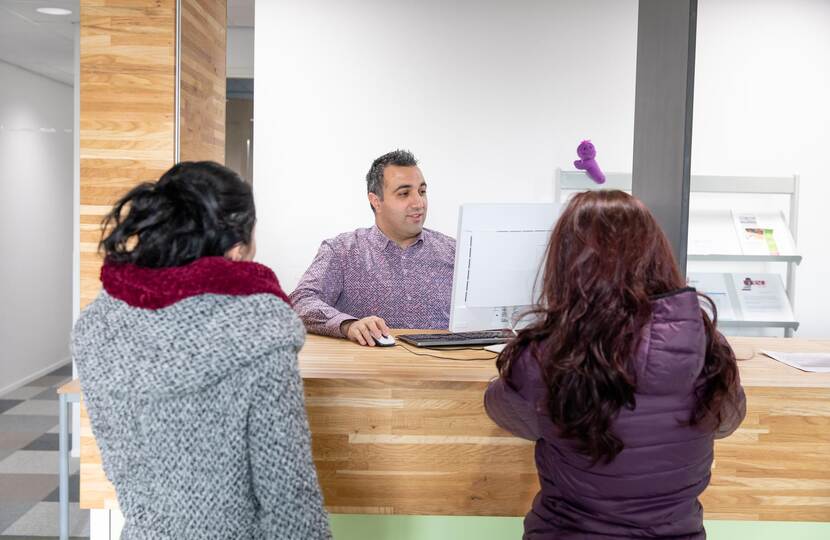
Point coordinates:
[[331, 358]]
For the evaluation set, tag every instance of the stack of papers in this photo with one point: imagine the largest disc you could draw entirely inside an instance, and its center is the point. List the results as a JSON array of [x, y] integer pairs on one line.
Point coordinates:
[[744, 297], [814, 362], [755, 234]]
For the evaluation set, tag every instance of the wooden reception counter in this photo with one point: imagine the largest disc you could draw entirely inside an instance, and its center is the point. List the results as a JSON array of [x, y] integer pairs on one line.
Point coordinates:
[[398, 433]]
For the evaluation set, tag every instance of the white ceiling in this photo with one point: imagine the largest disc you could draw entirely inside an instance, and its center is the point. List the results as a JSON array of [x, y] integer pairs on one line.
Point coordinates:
[[44, 43], [40, 43]]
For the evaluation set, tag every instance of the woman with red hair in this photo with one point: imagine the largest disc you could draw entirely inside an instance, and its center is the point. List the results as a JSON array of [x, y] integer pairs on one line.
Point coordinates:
[[622, 380]]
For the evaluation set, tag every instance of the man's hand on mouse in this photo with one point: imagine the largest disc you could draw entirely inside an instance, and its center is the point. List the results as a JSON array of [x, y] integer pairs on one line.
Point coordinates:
[[363, 331]]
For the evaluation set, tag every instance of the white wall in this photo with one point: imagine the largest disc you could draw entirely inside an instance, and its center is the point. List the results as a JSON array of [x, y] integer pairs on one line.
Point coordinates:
[[490, 95], [36, 150], [493, 95], [762, 107]]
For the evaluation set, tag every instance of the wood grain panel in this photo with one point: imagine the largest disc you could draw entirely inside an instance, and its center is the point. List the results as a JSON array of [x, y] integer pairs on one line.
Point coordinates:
[[420, 442], [329, 358], [127, 109], [128, 86], [203, 80], [775, 466]]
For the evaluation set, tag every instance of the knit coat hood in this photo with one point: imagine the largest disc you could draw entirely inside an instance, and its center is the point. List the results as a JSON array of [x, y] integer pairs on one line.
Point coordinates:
[[195, 398], [157, 352]]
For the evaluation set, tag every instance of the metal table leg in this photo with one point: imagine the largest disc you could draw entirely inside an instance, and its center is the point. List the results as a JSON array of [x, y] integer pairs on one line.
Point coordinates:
[[63, 447]]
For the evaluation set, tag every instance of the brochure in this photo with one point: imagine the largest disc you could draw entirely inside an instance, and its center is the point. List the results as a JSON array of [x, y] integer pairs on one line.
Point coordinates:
[[755, 234], [706, 232], [761, 297], [715, 286], [744, 297]]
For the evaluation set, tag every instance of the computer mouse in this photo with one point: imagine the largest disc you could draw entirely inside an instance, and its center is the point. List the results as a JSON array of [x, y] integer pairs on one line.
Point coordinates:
[[385, 341]]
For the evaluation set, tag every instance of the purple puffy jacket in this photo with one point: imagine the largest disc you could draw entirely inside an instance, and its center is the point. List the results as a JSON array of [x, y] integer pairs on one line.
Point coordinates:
[[650, 489]]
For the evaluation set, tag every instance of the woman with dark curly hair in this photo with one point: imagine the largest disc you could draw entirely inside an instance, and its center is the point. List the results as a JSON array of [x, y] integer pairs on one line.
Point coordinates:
[[188, 365], [622, 380]]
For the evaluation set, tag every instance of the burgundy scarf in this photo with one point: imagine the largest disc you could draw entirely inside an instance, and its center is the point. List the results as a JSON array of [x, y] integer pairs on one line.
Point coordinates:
[[155, 288]]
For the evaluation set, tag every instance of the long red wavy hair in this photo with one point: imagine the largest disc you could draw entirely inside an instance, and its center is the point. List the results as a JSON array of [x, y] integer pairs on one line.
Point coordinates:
[[606, 261]]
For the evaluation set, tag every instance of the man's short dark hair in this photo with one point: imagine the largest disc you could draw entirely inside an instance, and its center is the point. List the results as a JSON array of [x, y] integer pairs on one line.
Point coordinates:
[[374, 178]]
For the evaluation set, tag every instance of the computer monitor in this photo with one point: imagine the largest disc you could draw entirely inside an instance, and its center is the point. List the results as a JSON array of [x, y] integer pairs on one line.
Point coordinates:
[[499, 252]]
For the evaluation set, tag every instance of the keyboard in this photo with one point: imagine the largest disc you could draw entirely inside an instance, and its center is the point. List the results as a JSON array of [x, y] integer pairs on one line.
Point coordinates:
[[458, 339]]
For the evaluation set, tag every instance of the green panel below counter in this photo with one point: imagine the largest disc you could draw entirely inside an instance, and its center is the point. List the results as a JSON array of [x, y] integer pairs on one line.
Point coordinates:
[[374, 527]]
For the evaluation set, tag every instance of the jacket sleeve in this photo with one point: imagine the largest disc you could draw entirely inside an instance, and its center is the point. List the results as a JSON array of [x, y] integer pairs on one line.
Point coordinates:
[[282, 470], [317, 293], [512, 404]]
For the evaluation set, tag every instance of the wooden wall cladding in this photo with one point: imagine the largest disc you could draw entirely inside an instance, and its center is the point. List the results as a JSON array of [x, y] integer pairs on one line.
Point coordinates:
[[428, 447], [96, 491], [415, 447], [203, 53], [128, 80], [774, 467], [393, 433], [128, 87]]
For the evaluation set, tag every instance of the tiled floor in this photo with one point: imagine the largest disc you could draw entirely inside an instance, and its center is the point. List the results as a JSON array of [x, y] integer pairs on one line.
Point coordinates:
[[29, 464]]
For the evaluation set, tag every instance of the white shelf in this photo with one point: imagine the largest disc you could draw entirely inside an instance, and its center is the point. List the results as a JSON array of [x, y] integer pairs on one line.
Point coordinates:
[[784, 185], [746, 299], [579, 181], [729, 235], [792, 325], [726, 257], [713, 236]]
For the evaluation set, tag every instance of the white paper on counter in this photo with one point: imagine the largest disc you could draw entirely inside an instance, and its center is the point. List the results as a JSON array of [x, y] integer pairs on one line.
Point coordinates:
[[813, 362]]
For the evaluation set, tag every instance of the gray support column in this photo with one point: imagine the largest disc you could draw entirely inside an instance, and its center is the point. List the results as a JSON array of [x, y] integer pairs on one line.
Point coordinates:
[[663, 114]]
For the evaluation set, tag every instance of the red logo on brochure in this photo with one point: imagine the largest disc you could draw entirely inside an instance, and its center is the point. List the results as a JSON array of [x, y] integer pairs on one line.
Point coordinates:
[[749, 282]]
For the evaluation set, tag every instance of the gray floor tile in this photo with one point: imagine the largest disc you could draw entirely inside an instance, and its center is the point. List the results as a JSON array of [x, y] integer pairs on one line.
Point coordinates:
[[16, 537], [37, 407], [42, 520], [13, 440], [47, 441], [24, 423], [8, 404], [50, 380], [11, 512], [74, 491], [50, 394], [34, 462], [65, 370], [24, 392], [31, 488]]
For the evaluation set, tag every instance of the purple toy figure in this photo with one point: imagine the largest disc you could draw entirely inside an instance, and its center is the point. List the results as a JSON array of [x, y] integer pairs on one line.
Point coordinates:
[[587, 153]]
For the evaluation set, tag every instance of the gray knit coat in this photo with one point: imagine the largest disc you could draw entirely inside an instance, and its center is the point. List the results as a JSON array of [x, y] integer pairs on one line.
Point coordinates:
[[198, 411]]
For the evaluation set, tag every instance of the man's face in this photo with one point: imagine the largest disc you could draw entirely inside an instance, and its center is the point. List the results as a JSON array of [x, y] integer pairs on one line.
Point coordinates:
[[402, 211]]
